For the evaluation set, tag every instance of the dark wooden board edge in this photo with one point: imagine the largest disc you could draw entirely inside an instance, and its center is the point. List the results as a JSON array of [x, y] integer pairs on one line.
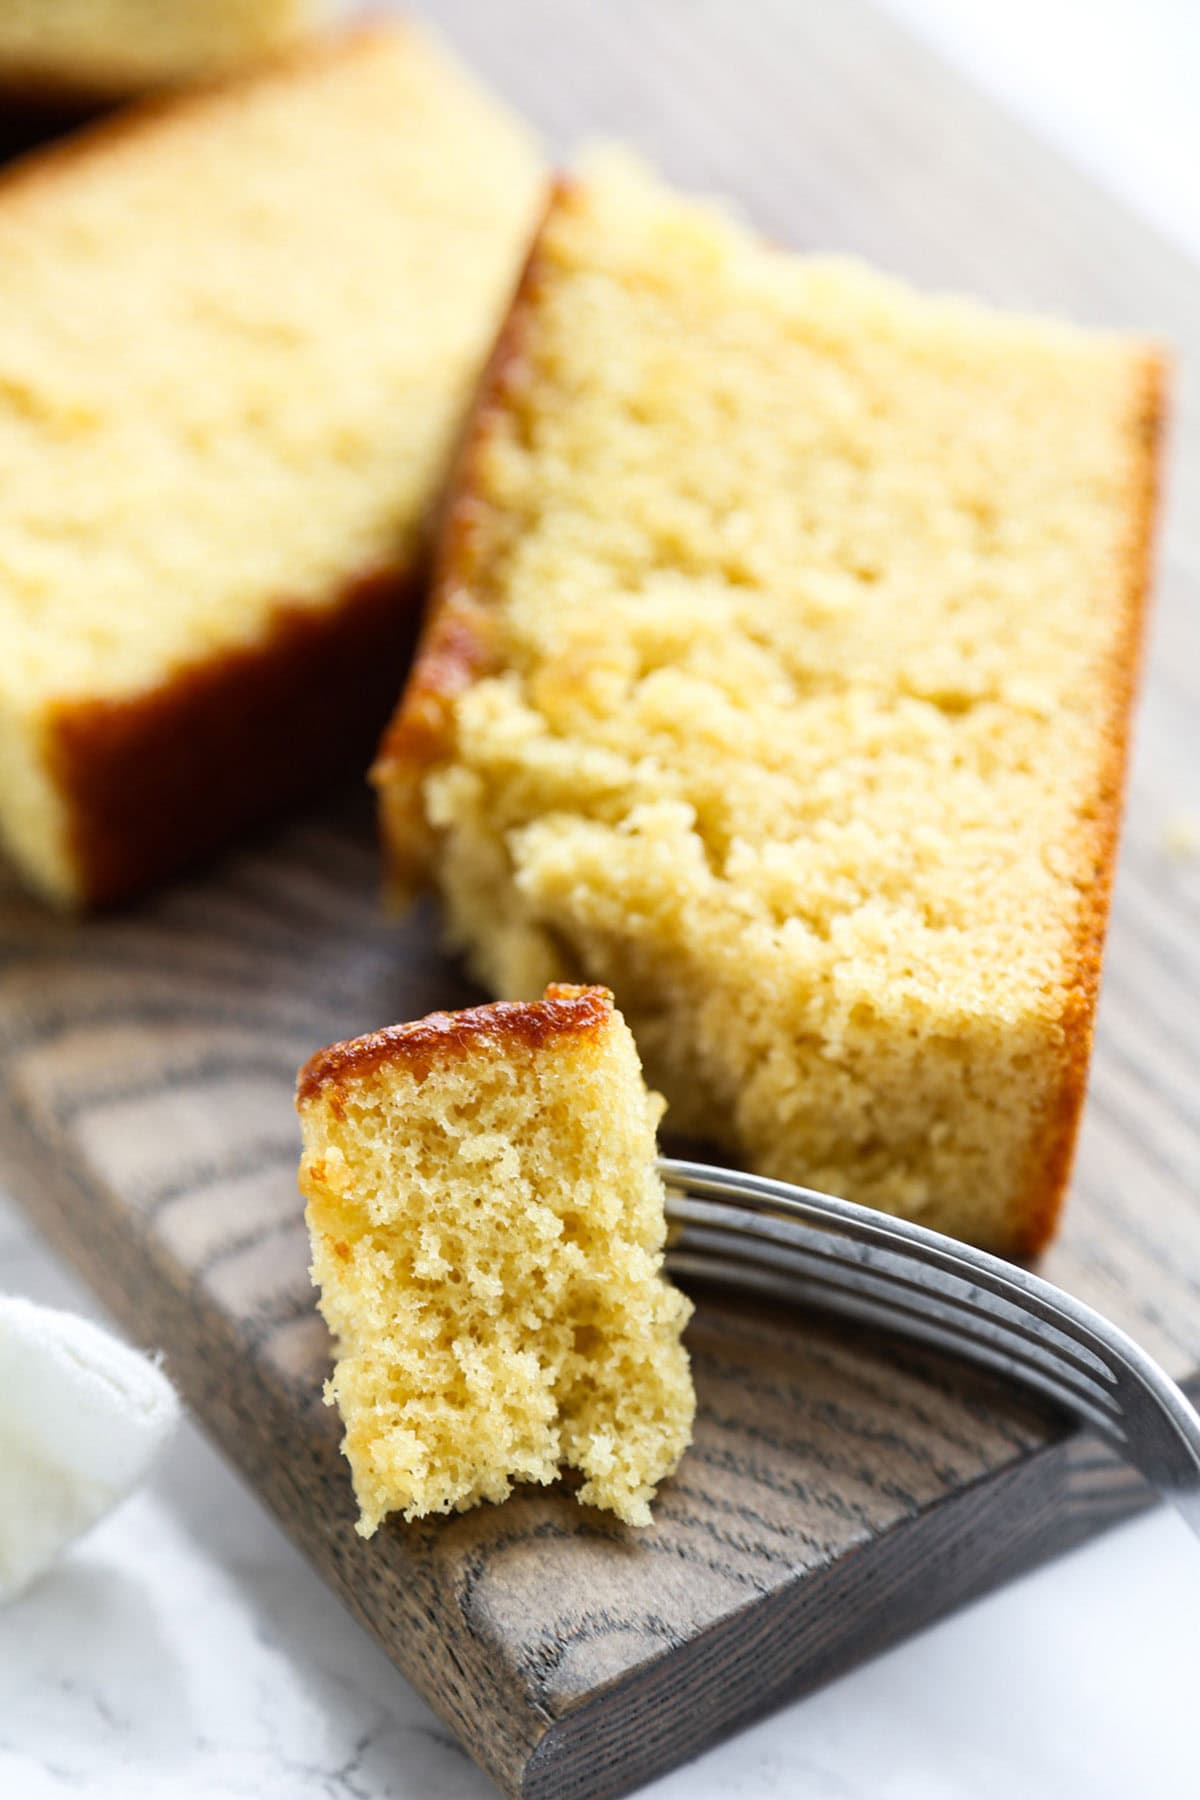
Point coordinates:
[[774, 1649], [784, 1646]]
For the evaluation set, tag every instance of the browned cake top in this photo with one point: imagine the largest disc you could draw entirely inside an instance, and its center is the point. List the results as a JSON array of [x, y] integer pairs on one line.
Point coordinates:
[[562, 1012]]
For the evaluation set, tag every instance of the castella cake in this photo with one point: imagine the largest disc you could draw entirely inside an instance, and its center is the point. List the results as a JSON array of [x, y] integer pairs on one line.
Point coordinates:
[[88, 52], [487, 1230], [237, 336], [778, 676]]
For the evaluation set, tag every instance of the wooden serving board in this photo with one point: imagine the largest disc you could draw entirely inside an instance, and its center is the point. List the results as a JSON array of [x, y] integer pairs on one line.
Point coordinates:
[[842, 1489]]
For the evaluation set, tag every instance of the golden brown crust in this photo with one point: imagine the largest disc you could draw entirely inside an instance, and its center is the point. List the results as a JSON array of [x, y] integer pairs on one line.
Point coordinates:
[[153, 782], [457, 643], [1053, 1154], [532, 1024]]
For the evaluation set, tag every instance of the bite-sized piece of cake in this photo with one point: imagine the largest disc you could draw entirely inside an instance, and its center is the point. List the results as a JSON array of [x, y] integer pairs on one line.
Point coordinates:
[[778, 675], [237, 337], [487, 1229], [93, 51]]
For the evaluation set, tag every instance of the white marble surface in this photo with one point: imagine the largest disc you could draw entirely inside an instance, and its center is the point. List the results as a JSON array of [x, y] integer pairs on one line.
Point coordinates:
[[186, 1649]]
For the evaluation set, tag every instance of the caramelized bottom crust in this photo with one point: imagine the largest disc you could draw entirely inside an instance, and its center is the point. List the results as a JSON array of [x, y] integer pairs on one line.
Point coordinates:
[[152, 784]]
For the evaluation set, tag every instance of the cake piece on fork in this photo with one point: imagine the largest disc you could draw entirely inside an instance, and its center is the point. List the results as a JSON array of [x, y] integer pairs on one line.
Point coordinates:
[[487, 1228]]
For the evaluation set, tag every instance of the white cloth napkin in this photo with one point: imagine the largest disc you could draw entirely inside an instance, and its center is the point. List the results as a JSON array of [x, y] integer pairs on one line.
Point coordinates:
[[82, 1417]]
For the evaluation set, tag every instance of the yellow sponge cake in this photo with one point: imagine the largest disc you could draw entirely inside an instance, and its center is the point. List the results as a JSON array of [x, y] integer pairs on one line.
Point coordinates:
[[237, 335], [487, 1229], [778, 676]]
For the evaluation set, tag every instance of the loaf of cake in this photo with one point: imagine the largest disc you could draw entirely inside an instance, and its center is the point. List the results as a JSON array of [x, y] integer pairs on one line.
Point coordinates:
[[237, 337], [90, 52], [778, 675], [487, 1231]]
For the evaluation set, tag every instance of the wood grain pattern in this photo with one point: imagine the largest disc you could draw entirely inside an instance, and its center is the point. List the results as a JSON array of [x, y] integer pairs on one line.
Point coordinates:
[[842, 1490]]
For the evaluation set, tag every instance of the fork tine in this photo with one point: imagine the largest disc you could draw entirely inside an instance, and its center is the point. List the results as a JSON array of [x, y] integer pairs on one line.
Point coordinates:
[[914, 1302], [904, 1271], [789, 1240], [758, 1198], [815, 1288]]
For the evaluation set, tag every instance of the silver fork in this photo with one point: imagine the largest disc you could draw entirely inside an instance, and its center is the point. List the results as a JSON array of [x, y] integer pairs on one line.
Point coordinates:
[[794, 1244]]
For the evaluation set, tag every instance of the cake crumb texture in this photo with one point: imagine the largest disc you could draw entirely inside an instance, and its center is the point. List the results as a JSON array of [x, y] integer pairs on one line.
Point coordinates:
[[238, 333], [487, 1228], [778, 676]]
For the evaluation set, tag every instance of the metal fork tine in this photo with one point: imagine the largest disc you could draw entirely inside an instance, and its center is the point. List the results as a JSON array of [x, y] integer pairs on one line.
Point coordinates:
[[912, 1302], [905, 1274], [701, 1265], [757, 1195], [790, 1240]]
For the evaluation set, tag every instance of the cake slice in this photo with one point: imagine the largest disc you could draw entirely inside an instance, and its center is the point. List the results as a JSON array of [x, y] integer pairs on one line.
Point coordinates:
[[778, 675], [487, 1230], [88, 52], [237, 336]]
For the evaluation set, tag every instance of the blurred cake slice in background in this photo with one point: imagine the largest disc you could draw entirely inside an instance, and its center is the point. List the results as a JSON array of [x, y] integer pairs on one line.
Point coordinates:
[[778, 676], [95, 52], [237, 337], [487, 1227]]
